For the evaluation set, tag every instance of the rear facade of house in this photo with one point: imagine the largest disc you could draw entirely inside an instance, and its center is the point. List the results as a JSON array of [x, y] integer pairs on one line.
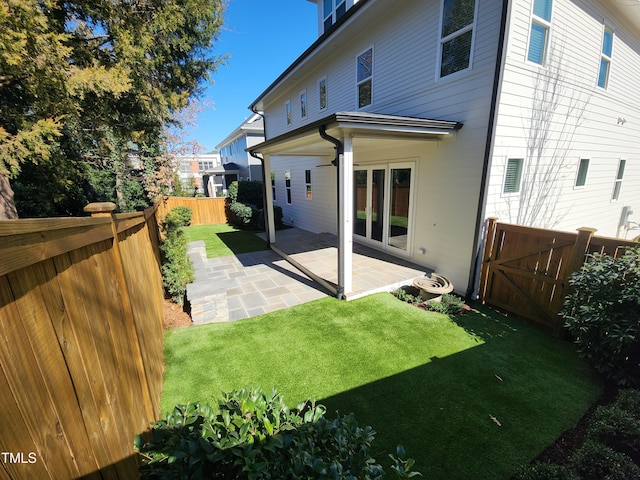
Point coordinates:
[[536, 139]]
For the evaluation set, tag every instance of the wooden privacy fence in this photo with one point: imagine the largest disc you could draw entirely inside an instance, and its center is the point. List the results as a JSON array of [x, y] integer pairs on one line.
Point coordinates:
[[206, 211], [81, 358], [525, 270]]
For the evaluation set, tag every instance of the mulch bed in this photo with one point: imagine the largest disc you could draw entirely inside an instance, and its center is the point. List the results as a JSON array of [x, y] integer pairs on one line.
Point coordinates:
[[175, 316]]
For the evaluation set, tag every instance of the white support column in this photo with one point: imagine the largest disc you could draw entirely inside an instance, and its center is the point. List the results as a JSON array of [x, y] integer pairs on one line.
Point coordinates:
[[345, 220], [266, 164]]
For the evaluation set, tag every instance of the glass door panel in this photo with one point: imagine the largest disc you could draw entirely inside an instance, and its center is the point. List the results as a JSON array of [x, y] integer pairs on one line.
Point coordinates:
[[377, 204], [400, 194], [360, 202]]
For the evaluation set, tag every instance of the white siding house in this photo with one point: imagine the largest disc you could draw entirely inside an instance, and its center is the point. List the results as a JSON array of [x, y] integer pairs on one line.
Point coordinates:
[[233, 149], [406, 124]]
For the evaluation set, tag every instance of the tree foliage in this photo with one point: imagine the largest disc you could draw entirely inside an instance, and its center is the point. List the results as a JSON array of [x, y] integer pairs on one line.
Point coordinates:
[[90, 86]]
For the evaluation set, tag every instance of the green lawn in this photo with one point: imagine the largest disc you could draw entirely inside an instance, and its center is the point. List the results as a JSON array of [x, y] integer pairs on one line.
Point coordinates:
[[417, 377], [221, 240]]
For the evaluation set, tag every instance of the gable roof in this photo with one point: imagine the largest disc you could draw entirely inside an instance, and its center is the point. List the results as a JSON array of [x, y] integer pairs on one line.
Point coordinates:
[[314, 46]]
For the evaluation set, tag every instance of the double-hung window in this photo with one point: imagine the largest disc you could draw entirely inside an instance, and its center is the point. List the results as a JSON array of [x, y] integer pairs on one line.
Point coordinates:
[[513, 176], [307, 182], [365, 78], [456, 35], [605, 57], [540, 31], [618, 184], [332, 10], [273, 185]]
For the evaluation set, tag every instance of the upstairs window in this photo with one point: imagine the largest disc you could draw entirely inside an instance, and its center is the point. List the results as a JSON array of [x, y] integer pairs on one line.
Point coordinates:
[[332, 10], [618, 185], [456, 35], [605, 57], [540, 29], [303, 104], [583, 169], [287, 110], [322, 92], [364, 78], [513, 175]]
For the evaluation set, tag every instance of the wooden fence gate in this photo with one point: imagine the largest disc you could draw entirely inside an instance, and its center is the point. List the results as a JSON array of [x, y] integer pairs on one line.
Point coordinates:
[[525, 270]]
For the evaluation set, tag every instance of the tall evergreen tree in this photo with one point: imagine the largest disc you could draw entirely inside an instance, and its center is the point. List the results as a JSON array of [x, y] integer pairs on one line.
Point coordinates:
[[88, 86]]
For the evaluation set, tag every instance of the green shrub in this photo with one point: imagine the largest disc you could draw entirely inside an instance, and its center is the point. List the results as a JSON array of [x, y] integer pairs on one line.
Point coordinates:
[[618, 425], [177, 269], [232, 192], [251, 434], [545, 471], [178, 217], [242, 216], [596, 460], [603, 314], [250, 192], [408, 294], [449, 305]]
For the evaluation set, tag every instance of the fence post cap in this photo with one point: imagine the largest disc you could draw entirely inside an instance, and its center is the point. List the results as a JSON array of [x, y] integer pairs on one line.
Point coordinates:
[[100, 207], [587, 229]]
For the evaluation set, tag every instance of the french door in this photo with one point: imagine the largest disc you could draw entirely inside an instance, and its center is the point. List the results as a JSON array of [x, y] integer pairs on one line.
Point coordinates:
[[382, 205]]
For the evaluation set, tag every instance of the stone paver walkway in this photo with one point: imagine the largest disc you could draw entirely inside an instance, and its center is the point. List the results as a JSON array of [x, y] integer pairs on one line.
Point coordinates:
[[249, 284], [244, 285]]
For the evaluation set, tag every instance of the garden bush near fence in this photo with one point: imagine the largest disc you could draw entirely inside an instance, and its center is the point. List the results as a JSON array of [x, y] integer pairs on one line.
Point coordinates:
[[177, 270], [246, 207], [603, 314], [252, 434]]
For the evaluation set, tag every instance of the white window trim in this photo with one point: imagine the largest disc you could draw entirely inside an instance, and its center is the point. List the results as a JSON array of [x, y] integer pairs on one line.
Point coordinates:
[[618, 181], [326, 86], [308, 186], [288, 113], [443, 40], [304, 112], [333, 15], [603, 56], [523, 159], [373, 61], [287, 189], [547, 24], [575, 180]]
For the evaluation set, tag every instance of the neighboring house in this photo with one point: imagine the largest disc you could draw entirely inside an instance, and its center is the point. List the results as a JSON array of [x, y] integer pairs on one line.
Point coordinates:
[[441, 113], [205, 172], [233, 149]]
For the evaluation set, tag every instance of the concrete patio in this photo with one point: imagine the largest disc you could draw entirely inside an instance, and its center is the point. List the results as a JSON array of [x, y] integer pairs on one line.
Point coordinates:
[[250, 284]]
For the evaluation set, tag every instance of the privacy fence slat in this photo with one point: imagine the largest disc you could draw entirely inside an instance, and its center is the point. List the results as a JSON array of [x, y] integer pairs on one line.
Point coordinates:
[[81, 357], [525, 270], [205, 211]]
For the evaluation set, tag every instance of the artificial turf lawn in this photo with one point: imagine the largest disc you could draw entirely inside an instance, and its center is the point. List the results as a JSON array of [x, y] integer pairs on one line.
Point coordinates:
[[222, 239], [418, 378]]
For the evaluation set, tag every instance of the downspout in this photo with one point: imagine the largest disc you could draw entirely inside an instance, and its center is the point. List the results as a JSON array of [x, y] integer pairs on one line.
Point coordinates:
[[265, 210], [336, 162], [478, 241]]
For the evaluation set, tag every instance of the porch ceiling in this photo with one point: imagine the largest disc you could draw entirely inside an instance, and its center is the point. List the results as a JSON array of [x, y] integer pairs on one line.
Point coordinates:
[[367, 131]]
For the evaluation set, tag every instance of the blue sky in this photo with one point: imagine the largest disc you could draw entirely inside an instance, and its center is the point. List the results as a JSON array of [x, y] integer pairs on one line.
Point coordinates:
[[262, 38]]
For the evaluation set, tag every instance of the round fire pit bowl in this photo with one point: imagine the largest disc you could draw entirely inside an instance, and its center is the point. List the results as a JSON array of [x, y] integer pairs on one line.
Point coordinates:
[[433, 287]]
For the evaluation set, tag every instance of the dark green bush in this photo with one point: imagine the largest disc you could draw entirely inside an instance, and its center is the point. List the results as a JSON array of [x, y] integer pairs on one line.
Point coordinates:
[[253, 435], [618, 425], [177, 270], [603, 314], [545, 471], [243, 216], [597, 461], [178, 217], [250, 192], [408, 294]]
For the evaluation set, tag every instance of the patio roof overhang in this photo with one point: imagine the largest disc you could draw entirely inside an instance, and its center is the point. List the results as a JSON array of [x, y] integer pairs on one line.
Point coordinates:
[[338, 136], [363, 127]]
